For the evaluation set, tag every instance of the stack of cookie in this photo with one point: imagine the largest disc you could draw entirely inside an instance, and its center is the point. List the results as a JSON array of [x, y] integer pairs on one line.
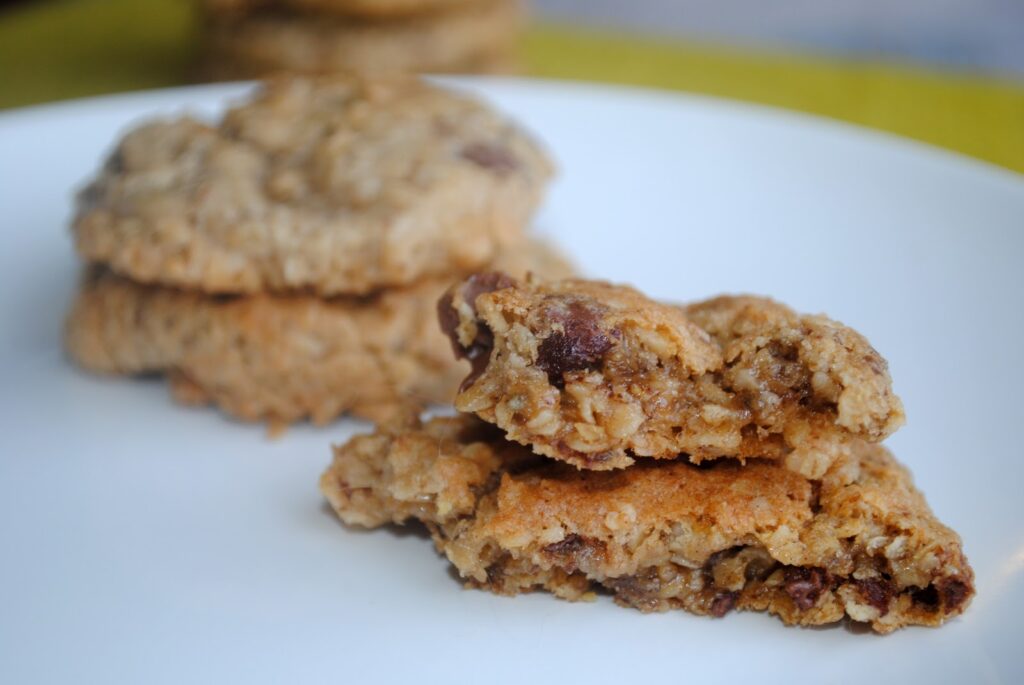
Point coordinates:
[[723, 455], [251, 38], [285, 263]]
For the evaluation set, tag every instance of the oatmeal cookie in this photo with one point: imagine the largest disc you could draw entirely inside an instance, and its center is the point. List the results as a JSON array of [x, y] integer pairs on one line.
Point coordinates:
[[267, 41], [860, 542], [333, 185], [380, 9], [497, 64], [279, 358], [597, 374]]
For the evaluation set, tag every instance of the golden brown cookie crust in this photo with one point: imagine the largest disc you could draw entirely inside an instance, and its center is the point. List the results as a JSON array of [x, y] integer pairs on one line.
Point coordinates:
[[860, 542], [333, 185], [268, 41], [279, 358], [597, 375]]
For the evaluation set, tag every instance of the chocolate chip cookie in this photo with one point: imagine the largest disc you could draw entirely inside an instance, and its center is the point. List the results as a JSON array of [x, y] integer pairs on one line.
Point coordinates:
[[380, 9], [280, 358], [598, 375], [860, 542], [330, 185]]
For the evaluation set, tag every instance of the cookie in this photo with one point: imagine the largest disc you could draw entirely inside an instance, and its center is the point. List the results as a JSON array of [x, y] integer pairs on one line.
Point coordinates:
[[859, 543], [596, 375], [267, 41], [370, 9], [380, 9], [497, 64], [279, 358], [331, 185]]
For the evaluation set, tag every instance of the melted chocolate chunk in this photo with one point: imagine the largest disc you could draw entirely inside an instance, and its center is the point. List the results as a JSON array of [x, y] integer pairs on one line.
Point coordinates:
[[574, 550], [927, 597], [479, 350], [642, 591], [472, 288], [723, 603], [570, 544], [805, 585], [877, 592], [478, 354], [485, 282], [492, 157], [581, 344], [953, 592], [449, 320]]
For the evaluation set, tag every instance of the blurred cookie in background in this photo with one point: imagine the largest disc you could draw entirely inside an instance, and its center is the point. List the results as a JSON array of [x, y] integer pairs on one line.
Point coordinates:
[[366, 9], [283, 357], [251, 38], [285, 261]]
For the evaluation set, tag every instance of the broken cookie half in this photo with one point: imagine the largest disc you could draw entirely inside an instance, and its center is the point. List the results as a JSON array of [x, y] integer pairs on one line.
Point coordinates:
[[860, 542], [596, 375]]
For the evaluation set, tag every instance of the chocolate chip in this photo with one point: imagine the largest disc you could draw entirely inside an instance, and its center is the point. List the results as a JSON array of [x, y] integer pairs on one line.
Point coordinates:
[[723, 603], [570, 544], [485, 282], [949, 592], [581, 344], [642, 591], [470, 289], [449, 320], [877, 592], [479, 350], [478, 354], [492, 157], [953, 592], [927, 597], [804, 585], [574, 550]]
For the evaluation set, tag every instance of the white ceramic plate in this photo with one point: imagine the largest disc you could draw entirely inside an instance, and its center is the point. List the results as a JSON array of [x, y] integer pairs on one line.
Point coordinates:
[[145, 542]]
